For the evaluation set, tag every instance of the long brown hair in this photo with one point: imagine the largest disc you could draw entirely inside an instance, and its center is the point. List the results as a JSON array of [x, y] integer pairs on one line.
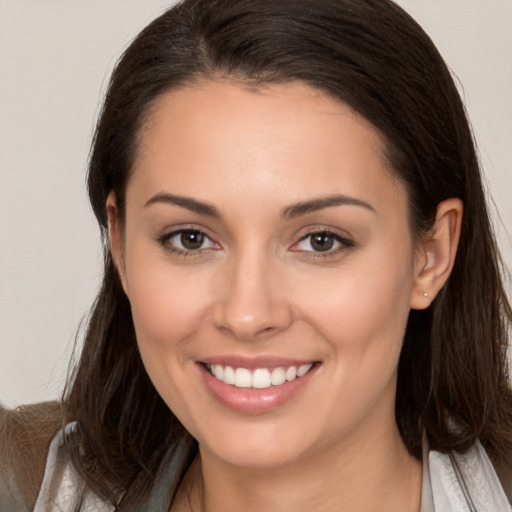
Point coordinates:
[[453, 378]]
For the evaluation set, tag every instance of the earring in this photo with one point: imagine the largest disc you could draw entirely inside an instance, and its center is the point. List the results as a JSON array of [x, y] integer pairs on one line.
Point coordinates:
[[425, 294]]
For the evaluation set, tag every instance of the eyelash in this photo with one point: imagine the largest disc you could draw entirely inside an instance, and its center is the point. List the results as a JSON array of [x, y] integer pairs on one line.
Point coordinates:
[[344, 243], [165, 239]]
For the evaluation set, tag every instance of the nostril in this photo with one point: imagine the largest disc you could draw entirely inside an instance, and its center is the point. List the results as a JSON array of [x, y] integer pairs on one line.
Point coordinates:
[[250, 315]]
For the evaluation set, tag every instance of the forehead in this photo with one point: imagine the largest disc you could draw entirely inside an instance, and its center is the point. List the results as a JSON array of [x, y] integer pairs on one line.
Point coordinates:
[[218, 138]]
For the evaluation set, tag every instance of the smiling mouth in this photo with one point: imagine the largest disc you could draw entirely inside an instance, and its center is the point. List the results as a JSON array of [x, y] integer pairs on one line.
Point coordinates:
[[260, 378]]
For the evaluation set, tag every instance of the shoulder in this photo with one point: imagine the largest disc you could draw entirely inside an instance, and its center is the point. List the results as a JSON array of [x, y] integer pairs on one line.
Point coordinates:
[[469, 477], [25, 435]]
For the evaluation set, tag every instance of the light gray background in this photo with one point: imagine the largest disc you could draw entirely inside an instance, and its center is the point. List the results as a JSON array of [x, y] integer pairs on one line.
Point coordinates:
[[54, 60]]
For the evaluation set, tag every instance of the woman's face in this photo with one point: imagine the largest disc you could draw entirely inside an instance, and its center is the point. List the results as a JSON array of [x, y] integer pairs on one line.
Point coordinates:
[[265, 236]]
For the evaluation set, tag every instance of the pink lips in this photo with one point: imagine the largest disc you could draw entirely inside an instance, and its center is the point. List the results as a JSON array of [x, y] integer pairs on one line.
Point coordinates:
[[251, 400]]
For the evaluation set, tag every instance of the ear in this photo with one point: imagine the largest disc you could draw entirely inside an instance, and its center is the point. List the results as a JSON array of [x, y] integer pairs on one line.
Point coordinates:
[[436, 254], [116, 238]]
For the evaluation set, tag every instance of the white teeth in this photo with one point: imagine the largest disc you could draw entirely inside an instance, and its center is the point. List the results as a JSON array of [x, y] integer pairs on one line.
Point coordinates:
[[229, 375], [302, 370], [218, 371], [260, 378], [243, 378], [278, 376], [291, 373]]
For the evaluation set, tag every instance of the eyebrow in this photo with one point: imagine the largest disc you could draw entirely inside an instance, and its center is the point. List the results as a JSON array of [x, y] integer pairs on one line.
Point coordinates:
[[290, 212], [314, 205], [185, 202]]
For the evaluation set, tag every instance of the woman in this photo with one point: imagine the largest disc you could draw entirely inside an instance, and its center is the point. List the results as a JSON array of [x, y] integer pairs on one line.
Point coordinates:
[[302, 305]]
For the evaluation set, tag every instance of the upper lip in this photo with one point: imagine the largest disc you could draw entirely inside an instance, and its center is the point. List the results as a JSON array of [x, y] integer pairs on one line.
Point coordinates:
[[255, 362]]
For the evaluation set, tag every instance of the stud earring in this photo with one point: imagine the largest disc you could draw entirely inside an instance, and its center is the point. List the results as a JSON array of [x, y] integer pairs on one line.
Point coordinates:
[[425, 294]]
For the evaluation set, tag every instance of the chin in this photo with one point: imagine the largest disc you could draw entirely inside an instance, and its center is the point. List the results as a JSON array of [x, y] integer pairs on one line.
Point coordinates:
[[254, 455], [259, 444]]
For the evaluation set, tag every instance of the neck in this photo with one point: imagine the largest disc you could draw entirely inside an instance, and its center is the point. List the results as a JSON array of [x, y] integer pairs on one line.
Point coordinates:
[[363, 474]]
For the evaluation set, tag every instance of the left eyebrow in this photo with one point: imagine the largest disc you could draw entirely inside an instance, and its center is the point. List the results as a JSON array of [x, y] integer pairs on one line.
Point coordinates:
[[298, 209]]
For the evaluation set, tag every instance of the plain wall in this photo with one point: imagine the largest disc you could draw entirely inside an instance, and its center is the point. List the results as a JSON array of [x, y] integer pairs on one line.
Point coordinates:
[[55, 57]]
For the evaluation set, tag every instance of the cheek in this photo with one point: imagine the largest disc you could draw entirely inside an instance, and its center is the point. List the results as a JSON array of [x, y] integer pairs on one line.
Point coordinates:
[[362, 311], [169, 304], [168, 310], [164, 308], [361, 314]]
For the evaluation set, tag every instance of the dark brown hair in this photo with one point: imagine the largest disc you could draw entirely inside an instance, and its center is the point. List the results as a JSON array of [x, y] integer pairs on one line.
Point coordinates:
[[453, 382]]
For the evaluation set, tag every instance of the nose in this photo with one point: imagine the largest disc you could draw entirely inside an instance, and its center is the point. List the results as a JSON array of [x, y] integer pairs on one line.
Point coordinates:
[[253, 300]]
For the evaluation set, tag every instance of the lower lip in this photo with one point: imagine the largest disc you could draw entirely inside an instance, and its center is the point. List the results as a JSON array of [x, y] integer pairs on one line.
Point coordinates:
[[251, 400]]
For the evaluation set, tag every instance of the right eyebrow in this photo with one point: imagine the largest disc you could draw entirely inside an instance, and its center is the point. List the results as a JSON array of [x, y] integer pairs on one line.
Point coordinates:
[[184, 202]]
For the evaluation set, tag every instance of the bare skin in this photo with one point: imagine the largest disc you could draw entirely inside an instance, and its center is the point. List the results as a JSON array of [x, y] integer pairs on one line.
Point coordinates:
[[214, 488], [266, 226]]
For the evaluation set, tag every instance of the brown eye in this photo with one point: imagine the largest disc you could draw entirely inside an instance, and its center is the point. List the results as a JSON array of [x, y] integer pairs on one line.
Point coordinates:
[[192, 240], [322, 242], [187, 241]]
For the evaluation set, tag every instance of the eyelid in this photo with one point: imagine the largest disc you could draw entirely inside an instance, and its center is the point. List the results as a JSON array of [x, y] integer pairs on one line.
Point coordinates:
[[164, 238], [345, 240]]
